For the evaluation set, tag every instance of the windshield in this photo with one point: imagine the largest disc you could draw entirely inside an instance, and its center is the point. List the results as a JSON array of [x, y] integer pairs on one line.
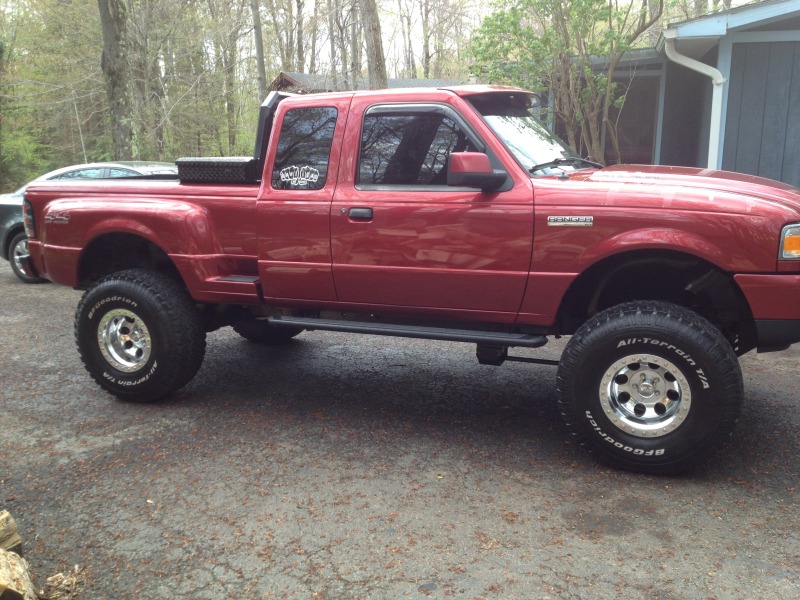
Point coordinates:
[[511, 116]]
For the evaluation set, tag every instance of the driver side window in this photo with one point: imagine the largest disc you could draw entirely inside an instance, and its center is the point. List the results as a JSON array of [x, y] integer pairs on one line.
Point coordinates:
[[408, 148]]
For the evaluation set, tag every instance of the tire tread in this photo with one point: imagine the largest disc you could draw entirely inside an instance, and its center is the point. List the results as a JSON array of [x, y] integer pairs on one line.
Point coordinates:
[[652, 314]]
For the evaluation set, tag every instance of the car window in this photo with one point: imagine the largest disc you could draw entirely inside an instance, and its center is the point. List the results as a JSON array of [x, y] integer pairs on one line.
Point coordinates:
[[115, 172], [408, 149], [304, 148], [91, 173]]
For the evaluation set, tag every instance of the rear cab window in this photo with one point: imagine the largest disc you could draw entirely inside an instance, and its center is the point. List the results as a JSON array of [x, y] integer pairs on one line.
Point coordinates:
[[303, 152]]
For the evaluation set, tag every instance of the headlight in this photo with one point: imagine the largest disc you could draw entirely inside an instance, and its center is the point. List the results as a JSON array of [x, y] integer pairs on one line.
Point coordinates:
[[790, 243]]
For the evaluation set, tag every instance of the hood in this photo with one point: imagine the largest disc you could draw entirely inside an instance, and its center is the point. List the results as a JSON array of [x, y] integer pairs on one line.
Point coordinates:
[[709, 180]]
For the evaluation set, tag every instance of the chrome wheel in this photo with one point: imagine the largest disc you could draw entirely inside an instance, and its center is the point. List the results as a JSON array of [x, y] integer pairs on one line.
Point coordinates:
[[124, 340], [20, 253], [645, 395]]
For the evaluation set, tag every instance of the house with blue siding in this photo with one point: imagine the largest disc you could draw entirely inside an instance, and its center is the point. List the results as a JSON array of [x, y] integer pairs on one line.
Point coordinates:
[[720, 91]]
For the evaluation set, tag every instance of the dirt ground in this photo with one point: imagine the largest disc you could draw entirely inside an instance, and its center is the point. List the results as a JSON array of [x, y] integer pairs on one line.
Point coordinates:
[[362, 467]]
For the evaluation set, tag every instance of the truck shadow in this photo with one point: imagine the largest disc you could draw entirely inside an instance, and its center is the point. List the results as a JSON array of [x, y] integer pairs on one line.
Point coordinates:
[[402, 389], [408, 389]]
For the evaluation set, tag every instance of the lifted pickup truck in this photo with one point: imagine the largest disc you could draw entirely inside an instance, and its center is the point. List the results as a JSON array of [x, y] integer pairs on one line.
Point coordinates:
[[448, 214]]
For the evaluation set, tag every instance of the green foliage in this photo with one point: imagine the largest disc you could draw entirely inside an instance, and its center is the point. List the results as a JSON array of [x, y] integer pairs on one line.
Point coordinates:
[[567, 49], [21, 160], [53, 102]]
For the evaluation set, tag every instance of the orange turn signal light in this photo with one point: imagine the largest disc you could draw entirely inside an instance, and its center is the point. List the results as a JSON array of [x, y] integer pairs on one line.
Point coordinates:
[[790, 242]]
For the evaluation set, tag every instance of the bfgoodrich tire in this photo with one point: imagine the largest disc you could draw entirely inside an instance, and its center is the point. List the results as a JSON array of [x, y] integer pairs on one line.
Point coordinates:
[[650, 387], [139, 335]]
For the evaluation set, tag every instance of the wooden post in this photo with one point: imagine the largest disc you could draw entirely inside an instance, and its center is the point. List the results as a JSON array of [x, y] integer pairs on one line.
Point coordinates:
[[9, 537], [15, 578]]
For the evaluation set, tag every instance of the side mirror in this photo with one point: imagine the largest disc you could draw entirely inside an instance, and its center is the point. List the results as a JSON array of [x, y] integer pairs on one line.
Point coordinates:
[[473, 169]]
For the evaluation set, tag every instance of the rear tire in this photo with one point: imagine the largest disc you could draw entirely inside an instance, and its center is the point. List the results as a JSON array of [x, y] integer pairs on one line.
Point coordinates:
[[650, 387], [139, 335]]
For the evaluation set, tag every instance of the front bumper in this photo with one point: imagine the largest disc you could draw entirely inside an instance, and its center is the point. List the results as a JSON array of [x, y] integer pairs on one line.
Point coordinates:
[[775, 304], [774, 335]]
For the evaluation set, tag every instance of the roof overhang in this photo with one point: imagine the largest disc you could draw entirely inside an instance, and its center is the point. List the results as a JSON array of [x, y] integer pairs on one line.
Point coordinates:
[[696, 37]]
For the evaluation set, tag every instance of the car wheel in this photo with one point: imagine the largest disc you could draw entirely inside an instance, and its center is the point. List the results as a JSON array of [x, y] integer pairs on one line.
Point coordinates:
[[17, 252], [650, 387], [139, 335]]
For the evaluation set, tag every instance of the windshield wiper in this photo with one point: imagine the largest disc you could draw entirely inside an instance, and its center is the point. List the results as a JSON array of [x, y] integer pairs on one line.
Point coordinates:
[[570, 160]]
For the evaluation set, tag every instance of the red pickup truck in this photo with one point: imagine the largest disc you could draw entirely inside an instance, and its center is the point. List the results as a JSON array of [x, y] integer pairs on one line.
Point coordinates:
[[448, 214]]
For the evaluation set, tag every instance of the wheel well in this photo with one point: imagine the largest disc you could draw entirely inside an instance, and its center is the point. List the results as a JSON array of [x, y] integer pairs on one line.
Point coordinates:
[[119, 251], [661, 275]]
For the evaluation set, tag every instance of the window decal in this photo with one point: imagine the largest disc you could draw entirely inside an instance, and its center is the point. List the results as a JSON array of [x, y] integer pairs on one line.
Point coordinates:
[[301, 176]]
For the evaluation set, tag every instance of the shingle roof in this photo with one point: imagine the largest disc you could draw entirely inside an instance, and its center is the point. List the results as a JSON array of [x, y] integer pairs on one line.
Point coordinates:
[[306, 83]]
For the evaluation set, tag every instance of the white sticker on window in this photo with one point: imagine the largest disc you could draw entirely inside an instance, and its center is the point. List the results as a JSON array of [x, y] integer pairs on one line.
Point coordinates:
[[299, 175]]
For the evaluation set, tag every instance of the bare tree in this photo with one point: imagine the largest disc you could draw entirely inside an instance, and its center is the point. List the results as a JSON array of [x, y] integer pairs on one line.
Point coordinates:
[[114, 62], [404, 16], [332, 41], [313, 23], [283, 24], [355, 45], [372, 34], [258, 41], [301, 61]]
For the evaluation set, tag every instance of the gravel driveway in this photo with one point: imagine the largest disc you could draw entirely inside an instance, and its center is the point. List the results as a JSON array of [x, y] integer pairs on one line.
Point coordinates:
[[355, 467]]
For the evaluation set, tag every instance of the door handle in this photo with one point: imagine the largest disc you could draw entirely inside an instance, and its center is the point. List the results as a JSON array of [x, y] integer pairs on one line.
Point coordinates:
[[360, 214]]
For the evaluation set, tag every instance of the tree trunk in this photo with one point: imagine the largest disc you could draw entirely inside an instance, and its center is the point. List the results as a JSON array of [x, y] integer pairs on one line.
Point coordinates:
[[229, 67], [258, 38], [404, 15], [425, 8], [114, 62], [341, 34], [372, 34], [314, 24], [355, 47], [3, 58], [332, 41], [301, 59], [285, 48]]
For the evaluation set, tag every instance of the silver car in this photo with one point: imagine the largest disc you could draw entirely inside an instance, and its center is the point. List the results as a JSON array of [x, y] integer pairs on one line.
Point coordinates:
[[14, 242]]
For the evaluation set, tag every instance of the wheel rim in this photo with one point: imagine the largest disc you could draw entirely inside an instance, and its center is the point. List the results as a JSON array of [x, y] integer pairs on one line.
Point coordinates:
[[20, 253], [124, 340], [645, 395]]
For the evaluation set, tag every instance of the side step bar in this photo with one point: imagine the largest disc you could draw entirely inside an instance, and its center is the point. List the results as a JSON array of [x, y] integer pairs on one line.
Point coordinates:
[[494, 338]]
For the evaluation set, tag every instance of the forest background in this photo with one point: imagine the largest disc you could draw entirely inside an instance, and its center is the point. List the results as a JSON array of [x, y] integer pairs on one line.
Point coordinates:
[[95, 80]]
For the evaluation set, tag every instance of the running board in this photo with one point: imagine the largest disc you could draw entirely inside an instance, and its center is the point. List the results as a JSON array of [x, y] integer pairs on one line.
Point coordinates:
[[495, 338]]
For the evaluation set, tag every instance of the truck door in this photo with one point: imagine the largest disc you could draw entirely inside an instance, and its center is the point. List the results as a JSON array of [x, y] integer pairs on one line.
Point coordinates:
[[400, 236], [293, 211]]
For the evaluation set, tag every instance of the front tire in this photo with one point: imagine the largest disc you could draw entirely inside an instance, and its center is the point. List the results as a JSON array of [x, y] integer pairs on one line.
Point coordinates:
[[650, 387], [139, 335], [17, 252]]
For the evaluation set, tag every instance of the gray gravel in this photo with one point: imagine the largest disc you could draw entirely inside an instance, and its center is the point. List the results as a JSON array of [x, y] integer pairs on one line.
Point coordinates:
[[342, 466]]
